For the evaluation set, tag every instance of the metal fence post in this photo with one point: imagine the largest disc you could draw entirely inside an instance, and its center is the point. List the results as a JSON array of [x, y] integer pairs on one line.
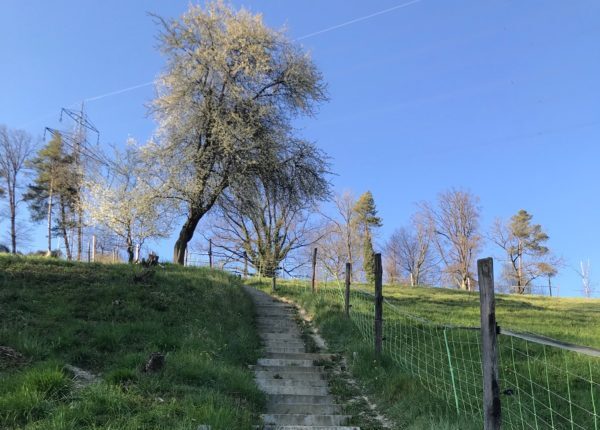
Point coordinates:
[[378, 272], [489, 346], [347, 292]]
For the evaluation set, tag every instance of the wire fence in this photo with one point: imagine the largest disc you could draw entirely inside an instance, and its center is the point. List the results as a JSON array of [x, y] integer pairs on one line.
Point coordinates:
[[544, 383]]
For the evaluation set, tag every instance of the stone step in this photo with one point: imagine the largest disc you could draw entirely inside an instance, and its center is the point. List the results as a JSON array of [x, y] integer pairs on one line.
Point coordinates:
[[299, 399], [284, 362], [306, 408], [318, 370], [280, 321], [314, 356], [286, 350], [270, 388], [294, 376], [305, 419], [293, 380], [279, 343], [270, 380], [280, 336], [294, 427]]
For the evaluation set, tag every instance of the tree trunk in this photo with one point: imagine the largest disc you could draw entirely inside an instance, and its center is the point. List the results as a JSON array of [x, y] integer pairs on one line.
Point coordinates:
[[79, 229], [50, 191], [185, 235], [63, 224], [13, 220]]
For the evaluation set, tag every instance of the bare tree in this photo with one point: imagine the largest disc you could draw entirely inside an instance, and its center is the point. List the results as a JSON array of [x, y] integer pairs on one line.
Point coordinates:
[[340, 241], [16, 147], [267, 215], [584, 273], [455, 223], [412, 251]]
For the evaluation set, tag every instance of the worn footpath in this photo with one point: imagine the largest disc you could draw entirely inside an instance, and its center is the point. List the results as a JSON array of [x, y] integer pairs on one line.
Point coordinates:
[[298, 396]]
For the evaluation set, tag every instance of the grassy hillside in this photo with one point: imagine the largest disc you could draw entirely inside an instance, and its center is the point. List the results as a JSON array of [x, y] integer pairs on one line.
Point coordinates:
[[96, 317], [568, 319], [413, 381]]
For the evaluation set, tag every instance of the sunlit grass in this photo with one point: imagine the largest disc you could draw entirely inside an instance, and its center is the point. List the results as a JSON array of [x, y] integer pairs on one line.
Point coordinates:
[[413, 380], [97, 318]]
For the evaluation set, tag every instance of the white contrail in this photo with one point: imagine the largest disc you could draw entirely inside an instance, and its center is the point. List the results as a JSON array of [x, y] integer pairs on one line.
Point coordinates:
[[122, 90], [362, 18], [306, 36]]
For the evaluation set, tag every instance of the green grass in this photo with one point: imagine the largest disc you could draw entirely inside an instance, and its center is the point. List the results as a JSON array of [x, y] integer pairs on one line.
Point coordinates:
[[569, 319], [413, 382], [97, 318]]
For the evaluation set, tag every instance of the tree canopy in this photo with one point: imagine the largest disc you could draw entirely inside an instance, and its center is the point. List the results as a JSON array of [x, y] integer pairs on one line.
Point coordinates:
[[225, 102]]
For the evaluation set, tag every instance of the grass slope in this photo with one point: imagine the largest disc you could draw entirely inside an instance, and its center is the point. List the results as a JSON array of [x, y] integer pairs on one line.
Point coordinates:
[[411, 396], [95, 317]]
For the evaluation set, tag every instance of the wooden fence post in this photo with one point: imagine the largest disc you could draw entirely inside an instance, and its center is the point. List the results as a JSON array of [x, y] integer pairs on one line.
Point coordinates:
[[347, 293], [245, 264], [210, 260], [489, 346], [378, 272], [93, 248], [274, 281], [314, 269], [89, 252]]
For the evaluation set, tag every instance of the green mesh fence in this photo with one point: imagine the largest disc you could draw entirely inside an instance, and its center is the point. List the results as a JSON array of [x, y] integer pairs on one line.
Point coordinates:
[[542, 387]]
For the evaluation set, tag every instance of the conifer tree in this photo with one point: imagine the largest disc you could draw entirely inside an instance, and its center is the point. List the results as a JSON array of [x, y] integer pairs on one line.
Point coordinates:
[[524, 243], [367, 219], [53, 187]]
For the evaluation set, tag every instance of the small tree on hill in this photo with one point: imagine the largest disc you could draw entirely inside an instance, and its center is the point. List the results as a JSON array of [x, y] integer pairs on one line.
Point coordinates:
[[16, 147], [367, 220], [455, 223], [412, 251], [54, 186], [122, 203], [524, 243]]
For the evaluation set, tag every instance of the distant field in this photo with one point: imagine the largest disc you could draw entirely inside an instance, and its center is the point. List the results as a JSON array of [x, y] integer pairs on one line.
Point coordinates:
[[97, 318], [568, 319], [430, 374]]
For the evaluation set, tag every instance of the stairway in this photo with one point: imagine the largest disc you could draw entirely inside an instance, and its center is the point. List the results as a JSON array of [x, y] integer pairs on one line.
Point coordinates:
[[297, 391]]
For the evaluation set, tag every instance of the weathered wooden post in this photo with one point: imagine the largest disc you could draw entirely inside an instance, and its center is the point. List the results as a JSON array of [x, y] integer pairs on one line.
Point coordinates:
[[93, 248], [274, 281], [210, 255], [314, 269], [89, 252], [245, 264], [489, 346], [347, 292], [378, 272]]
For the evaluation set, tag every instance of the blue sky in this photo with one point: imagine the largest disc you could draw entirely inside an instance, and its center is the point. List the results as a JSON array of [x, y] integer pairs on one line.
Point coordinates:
[[498, 97]]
